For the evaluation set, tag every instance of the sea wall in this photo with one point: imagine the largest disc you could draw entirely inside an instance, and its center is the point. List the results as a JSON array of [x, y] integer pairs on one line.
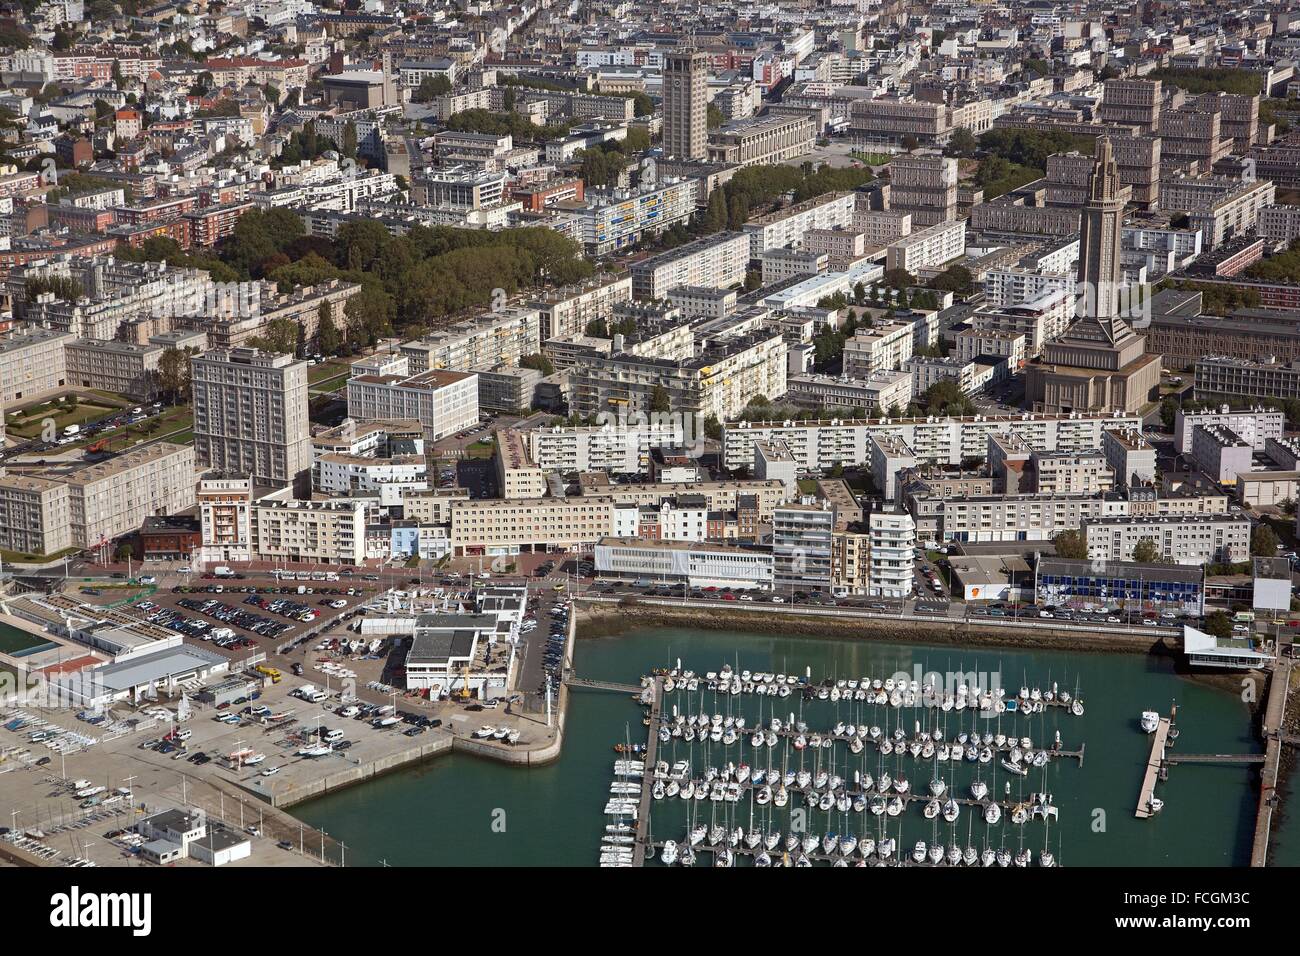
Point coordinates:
[[612, 618]]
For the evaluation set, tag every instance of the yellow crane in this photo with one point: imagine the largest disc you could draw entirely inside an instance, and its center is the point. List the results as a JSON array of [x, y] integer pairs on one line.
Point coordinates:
[[464, 692]]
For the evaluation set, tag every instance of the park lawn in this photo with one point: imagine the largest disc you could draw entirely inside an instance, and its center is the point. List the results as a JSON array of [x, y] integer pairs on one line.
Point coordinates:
[[27, 423], [327, 370], [18, 556], [330, 384], [481, 449], [807, 486], [178, 418]]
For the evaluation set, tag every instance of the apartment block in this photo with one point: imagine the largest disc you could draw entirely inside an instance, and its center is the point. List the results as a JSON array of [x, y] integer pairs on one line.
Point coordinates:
[[1205, 539], [110, 498], [925, 187], [880, 348], [715, 262], [786, 228], [444, 402], [929, 247], [1221, 453], [122, 367], [1255, 425], [878, 391], [1130, 456], [1131, 103], [250, 414], [32, 363], [941, 439], [621, 448], [518, 476], [34, 515], [801, 546], [719, 381], [496, 338], [567, 311], [513, 526], [325, 532]]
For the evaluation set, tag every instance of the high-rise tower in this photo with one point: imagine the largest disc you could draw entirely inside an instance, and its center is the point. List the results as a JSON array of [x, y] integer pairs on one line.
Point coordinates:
[[1100, 224], [685, 91]]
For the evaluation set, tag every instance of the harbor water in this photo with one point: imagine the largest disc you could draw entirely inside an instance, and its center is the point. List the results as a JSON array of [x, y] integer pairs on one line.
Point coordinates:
[[461, 810]]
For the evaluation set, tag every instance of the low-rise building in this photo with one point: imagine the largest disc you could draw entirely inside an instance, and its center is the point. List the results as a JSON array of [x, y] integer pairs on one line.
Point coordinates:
[[696, 564]]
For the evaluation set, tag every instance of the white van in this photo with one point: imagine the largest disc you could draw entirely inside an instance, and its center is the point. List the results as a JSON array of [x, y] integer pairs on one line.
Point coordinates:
[[333, 735]]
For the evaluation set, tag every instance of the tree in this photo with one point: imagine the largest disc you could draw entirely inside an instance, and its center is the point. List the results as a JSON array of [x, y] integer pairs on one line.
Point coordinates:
[[898, 278], [125, 551], [714, 117], [910, 143], [1168, 413], [174, 374], [327, 333], [1071, 544], [962, 143], [350, 140], [1218, 624], [434, 86], [659, 400], [1146, 552], [714, 217], [538, 361], [956, 279], [737, 213], [282, 335], [1263, 541]]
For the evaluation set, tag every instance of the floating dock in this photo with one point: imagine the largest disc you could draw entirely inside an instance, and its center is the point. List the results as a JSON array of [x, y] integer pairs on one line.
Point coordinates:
[[1155, 766]]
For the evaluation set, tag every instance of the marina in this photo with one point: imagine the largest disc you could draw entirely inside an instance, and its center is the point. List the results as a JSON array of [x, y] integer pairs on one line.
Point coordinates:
[[568, 827], [854, 771]]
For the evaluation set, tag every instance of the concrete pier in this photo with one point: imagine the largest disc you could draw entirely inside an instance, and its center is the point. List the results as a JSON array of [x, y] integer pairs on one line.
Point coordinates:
[[1274, 714]]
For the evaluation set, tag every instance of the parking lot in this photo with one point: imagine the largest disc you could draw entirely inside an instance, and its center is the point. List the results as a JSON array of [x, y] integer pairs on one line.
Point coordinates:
[[249, 612]]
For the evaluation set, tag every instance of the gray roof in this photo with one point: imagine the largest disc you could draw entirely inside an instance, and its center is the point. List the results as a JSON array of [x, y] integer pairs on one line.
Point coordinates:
[[439, 647], [157, 666]]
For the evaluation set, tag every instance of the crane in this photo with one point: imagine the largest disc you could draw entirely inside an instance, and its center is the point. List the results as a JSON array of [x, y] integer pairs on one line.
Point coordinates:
[[464, 692]]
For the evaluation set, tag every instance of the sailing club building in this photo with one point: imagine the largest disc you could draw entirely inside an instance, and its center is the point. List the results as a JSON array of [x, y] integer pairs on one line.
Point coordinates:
[[1063, 581]]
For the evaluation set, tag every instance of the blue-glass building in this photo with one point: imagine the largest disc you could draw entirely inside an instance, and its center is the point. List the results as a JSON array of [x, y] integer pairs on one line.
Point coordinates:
[[1121, 584]]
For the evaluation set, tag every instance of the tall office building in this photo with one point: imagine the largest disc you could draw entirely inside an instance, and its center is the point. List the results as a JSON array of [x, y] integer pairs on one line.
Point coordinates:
[[250, 414], [685, 87], [1100, 225]]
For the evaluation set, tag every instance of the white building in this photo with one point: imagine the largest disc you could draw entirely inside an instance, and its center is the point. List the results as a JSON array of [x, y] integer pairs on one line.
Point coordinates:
[[695, 564], [891, 564], [444, 402]]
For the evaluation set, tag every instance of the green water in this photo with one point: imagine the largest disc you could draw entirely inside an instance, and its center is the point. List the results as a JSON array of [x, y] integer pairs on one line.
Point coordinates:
[[19, 642], [465, 811]]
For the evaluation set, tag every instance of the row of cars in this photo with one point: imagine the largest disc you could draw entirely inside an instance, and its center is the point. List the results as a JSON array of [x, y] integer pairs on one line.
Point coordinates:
[[228, 614], [257, 589], [1106, 615], [285, 608], [553, 661]]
